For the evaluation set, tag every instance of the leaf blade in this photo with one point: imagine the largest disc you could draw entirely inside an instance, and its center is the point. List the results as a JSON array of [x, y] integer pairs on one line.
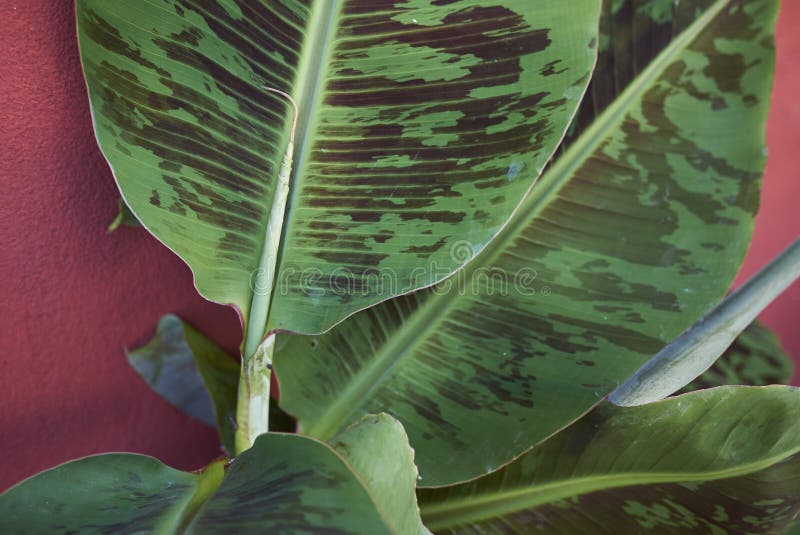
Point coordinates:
[[715, 435], [285, 483], [195, 142], [366, 445], [93, 495], [289, 484]]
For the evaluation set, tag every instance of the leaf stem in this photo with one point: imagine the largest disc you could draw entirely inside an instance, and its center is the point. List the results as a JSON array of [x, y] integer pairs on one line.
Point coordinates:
[[697, 348], [264, 283], [252, 407]]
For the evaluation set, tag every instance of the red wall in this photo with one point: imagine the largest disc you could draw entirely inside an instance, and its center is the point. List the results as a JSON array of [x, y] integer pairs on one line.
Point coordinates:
[[72, 296]]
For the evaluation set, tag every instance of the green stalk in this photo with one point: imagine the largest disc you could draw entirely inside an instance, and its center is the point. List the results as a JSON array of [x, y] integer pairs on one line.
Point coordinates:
[[252, 405], [697, 348], [257, 354], [265, 276]]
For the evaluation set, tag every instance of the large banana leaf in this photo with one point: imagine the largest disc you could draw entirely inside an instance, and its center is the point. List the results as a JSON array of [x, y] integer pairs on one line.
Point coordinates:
[[725, 460], [111, 493], [637, 228], [420, 125], [283, 484]]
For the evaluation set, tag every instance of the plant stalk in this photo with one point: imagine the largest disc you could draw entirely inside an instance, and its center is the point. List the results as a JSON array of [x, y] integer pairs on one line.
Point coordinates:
[[697, 348], [252, 406]]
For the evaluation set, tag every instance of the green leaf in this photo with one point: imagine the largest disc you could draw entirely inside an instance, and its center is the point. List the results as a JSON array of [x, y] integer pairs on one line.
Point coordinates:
[[420, 125], [367, 446], [111, 493], [290, 484], [699, 346], [623, 243], [191, 372], [715, 461], [284, 484], [124, 217], [756, 358], [632, 34]]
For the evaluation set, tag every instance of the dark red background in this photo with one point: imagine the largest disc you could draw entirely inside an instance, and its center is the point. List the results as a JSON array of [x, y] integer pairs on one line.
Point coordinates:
[[73, 296]]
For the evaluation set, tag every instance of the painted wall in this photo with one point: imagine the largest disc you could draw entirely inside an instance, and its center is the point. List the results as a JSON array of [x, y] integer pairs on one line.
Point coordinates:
[[72, 296]]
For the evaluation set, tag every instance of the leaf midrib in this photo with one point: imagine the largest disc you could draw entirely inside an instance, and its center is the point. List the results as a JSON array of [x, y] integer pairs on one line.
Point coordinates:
[[310, 80], [453, 513], [372, 376], [433, 310]]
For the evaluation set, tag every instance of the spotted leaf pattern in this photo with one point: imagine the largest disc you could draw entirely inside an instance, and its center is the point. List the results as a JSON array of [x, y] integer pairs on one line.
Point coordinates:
[[637, 228], [420, 124]]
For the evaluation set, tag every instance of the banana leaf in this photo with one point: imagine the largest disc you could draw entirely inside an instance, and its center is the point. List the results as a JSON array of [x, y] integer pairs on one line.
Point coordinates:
[[725, 460], [283, 484], [418, 126], [637, 228], [367, 445]]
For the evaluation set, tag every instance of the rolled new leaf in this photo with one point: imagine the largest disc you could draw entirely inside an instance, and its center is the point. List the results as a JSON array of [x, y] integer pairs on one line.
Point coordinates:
[[719, 460]]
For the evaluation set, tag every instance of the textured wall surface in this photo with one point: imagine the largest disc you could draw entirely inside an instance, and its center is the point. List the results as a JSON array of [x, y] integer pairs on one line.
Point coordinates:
[[73, 296]]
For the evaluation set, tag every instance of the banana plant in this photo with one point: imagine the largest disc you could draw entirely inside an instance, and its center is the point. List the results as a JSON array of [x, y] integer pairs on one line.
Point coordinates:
[[718, 460], [415, 128], [452, 246], [634, 231]]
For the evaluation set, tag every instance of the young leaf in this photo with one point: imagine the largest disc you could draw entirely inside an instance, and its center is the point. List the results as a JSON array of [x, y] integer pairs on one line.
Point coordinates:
[[621, 245], [191, 372], [697, 348], [284, 484], [420, 125], [377, 449], [756, 358], [716, 461]]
